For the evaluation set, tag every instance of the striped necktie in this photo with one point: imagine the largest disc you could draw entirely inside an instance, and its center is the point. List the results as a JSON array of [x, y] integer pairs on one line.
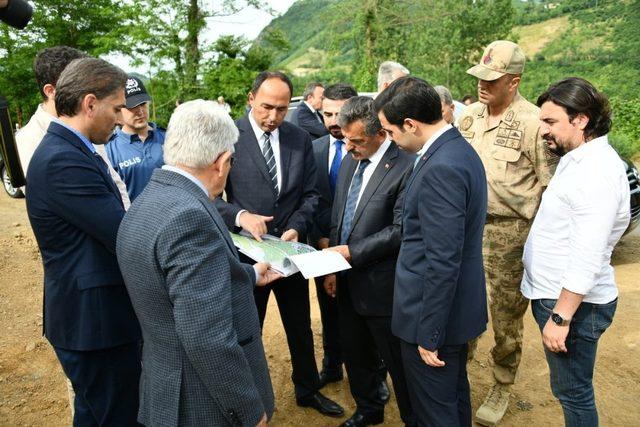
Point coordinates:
[[267, 152], [352, 201]]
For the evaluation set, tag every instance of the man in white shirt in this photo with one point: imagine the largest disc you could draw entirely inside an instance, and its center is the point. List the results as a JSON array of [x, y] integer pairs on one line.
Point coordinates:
[[567, 257]]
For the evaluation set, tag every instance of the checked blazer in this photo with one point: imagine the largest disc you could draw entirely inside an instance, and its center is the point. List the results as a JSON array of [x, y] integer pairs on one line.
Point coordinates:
[[203, 360]]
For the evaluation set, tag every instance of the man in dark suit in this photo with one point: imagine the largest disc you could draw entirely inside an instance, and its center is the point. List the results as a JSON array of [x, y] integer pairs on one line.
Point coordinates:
[[329, 151], [307, 115], [366, 225], [439, 302], [75, 210], [203, 361], [272, 190]]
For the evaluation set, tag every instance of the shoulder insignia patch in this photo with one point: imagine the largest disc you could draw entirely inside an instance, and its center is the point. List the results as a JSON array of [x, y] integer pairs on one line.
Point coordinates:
[[466, 123], [509, 116]]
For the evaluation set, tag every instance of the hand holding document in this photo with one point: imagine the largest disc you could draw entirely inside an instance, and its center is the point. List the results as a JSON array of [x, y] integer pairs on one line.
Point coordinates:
[[290, 257]]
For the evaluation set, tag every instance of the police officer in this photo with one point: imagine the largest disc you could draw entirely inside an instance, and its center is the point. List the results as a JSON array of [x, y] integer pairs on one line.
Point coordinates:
[[503, 127], [135, 150]]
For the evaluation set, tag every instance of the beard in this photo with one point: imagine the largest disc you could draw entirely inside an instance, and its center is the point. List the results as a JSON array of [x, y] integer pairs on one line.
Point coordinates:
[[336, 132], [557, 149]]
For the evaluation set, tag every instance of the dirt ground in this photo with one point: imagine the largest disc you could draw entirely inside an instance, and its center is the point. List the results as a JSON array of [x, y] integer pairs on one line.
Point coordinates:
[[33, 393]]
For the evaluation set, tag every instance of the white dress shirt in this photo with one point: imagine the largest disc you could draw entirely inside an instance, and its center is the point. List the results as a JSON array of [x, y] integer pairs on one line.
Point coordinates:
[[275, 145], [314, 111], [368, 171], [583, 214], [430, 142], [332, 150]]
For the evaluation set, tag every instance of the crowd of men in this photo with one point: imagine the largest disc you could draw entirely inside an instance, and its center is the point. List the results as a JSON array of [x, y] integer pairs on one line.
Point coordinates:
[[156, 318]]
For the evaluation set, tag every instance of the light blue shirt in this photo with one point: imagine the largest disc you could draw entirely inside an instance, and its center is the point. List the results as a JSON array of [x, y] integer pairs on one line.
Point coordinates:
[[83, 138], [135, 160]]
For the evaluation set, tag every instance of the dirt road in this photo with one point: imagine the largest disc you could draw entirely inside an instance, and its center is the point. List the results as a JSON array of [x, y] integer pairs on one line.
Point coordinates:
[[32, 390]]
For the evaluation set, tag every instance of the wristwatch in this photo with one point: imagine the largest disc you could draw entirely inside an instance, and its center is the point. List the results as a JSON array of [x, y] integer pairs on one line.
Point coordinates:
[[558, 320]]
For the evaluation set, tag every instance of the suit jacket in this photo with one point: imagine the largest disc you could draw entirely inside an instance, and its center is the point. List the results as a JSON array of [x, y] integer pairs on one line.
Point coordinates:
[[249, 185], [203, 361], [440, 297], [322, 218], [303, 117], [376, 231], [75, 210]]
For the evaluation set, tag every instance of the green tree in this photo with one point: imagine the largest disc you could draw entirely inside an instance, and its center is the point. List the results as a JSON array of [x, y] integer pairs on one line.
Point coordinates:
[[96, 27], [171, 32]]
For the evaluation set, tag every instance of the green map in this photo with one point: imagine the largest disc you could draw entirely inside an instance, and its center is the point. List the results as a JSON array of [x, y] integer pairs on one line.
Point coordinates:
[[271, 250]]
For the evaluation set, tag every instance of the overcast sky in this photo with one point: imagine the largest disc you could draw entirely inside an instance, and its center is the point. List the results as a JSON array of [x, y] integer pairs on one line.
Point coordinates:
[[249, 22]]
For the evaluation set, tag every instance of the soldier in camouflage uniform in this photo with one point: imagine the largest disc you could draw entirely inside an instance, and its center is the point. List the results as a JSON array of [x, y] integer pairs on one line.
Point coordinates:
[[503, 127]]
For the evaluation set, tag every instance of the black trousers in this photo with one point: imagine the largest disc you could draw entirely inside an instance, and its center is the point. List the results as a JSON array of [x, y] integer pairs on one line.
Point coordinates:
[[332, 350], [292, 296], [439, 396], [366, 339], [105, 383]]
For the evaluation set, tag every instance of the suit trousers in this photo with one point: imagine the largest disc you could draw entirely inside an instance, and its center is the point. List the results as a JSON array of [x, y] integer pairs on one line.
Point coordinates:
[[292, 296], [366, 339], [332, 350], [105, 384], [439, 396]]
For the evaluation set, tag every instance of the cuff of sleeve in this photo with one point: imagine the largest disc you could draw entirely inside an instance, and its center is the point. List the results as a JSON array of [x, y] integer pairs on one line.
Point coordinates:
[[237, 221], [577, 285], [255, 274]]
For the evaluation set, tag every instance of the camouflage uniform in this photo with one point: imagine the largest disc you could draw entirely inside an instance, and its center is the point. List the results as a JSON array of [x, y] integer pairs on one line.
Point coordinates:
[[518, 166]]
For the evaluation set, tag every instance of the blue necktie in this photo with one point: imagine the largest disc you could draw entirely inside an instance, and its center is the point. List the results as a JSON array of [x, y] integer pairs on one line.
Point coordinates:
[[335, 166], [352, 201]]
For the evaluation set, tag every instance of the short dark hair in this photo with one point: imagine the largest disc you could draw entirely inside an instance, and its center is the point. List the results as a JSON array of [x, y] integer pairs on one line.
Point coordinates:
[[360, 108], [308, 90], [578, 96], [340, 92], [469, 97], [50, 62], [82, 77], [265, 75], [409, 97]]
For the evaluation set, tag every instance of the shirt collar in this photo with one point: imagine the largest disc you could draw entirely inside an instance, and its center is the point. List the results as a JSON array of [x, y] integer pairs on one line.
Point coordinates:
[[583, 150], [83, 138], [313, 110], [377, 156], [132, 137], [259, 132], [187, 175], [433, 138]]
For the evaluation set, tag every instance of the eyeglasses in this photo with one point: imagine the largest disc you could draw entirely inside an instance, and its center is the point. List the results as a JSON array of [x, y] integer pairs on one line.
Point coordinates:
[[232, 160]]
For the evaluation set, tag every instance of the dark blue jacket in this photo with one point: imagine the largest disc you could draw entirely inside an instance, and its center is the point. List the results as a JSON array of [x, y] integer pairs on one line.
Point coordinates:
[[75, 210], [440, 296]]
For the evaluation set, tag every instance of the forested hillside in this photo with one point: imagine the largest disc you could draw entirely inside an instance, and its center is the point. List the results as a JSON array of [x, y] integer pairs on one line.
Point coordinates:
[[333, 40]]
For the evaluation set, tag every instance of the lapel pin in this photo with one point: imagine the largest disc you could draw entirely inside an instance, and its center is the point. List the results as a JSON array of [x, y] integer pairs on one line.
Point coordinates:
[[386, 166], [424, 157]]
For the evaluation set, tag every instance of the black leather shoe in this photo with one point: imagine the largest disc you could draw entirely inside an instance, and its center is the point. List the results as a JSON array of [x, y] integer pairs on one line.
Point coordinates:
[[383, 392], [321, 404], [360, 420], [327, 377]]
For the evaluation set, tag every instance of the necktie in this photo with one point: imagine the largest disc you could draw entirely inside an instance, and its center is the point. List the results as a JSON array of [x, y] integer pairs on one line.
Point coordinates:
[[335, 166], [267, 152], [352, 201], [319, 116]]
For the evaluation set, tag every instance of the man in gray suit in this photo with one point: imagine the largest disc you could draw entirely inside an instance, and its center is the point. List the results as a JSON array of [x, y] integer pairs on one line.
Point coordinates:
[[203, 359]]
